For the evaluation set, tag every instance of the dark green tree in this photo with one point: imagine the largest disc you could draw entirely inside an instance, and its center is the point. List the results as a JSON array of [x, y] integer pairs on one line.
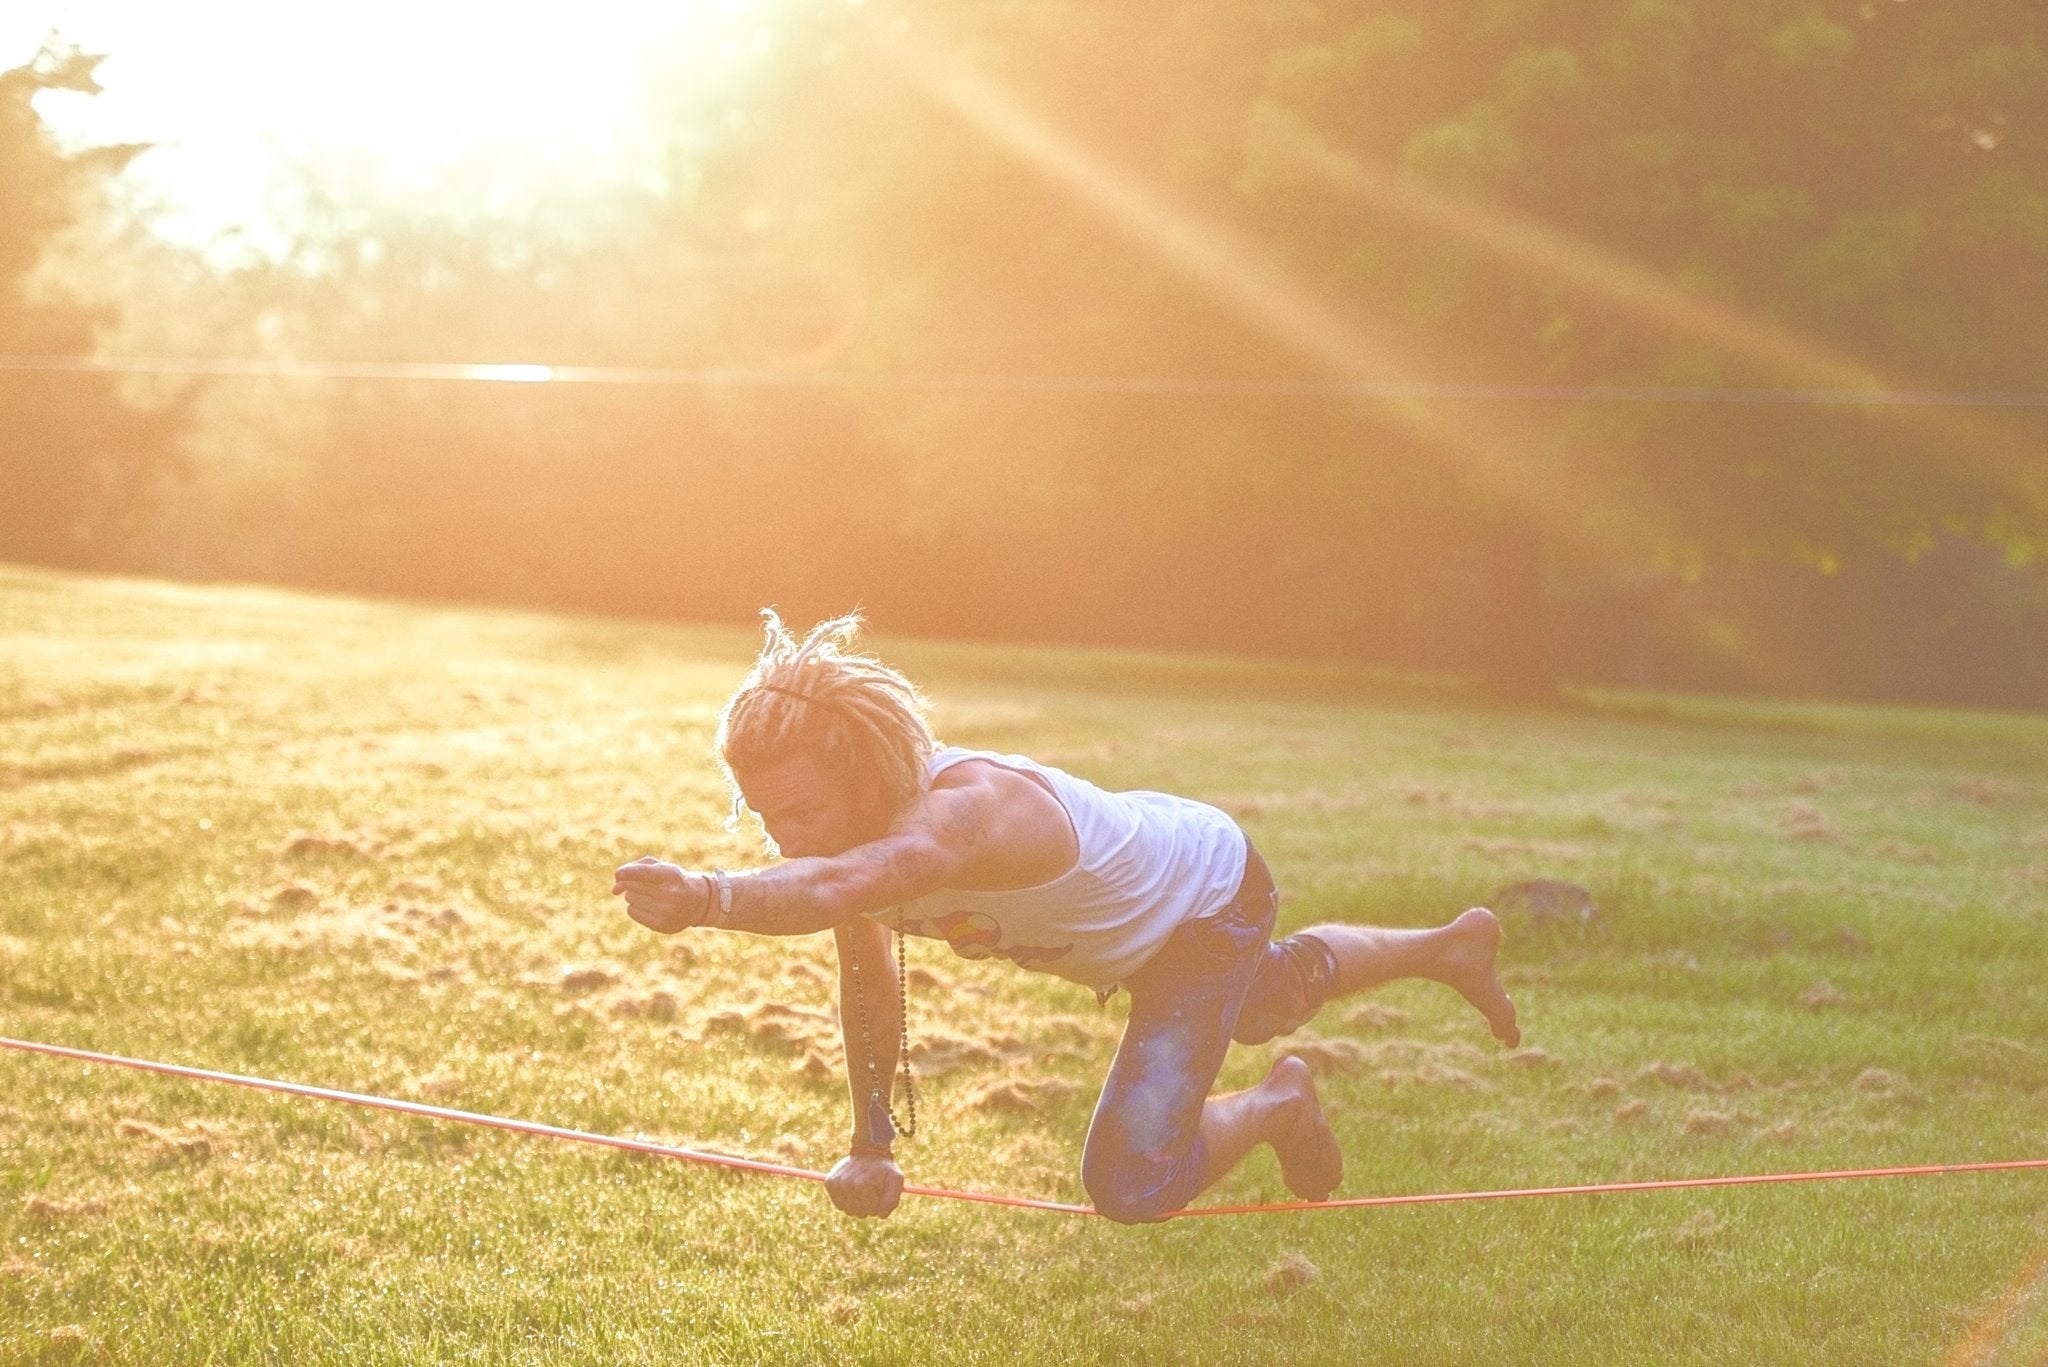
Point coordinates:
[[1675, 196]]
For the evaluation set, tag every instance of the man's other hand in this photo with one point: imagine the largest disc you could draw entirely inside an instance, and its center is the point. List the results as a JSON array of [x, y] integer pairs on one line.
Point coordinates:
[[865, 1184]]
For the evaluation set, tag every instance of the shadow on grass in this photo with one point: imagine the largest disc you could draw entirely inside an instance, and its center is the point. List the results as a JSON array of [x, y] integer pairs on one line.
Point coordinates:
[[1152, 674], [2004, 738], [14, 776]]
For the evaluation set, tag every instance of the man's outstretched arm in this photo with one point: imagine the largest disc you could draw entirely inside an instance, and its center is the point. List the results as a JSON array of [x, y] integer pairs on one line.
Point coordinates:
[[801, 896]]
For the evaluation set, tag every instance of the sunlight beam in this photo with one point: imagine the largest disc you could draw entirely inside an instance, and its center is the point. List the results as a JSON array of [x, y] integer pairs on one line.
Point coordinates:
[[1494, 457], [2013, 464], [1538, 247], [1237, 275]]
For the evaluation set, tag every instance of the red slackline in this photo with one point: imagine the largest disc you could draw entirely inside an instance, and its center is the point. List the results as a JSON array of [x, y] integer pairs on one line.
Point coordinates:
[[782, 1170], [385, 1103]]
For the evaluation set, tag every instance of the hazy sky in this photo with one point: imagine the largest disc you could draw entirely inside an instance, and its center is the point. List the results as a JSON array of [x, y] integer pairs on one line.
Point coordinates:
[[401, 98]]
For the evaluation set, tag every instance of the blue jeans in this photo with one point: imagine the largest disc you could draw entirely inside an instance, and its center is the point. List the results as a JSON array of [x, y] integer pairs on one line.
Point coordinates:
[[1144, 1156]]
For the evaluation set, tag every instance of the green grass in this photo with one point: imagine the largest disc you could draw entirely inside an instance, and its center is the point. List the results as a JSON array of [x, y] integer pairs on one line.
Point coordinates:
[[1793, 896]]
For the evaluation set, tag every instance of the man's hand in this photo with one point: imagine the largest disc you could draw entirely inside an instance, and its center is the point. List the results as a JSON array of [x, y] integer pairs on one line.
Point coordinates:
[[661, 896], [865, 1184]]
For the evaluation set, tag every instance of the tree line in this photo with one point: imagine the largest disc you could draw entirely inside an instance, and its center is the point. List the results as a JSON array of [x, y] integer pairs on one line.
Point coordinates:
[[1526, 341]]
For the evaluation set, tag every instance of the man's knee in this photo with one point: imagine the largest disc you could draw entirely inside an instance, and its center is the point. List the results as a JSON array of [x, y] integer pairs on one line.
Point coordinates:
[[1294, 980], [1135, 1189], [1126, 1204]]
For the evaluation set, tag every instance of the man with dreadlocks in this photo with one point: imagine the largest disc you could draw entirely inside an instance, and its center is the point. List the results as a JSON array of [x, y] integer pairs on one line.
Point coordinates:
[[881, 829]]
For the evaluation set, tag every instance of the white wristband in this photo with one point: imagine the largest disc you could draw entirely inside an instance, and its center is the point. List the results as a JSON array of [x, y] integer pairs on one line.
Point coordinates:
[[723, 917]]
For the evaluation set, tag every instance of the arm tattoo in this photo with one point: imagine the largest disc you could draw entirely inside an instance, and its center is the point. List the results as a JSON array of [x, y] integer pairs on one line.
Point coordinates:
[[912, 864], [967, 825], [807, 895], [782, 900]]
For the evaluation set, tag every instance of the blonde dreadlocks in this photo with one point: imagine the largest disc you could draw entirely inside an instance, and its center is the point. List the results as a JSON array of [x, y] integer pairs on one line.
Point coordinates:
[[863, 720]]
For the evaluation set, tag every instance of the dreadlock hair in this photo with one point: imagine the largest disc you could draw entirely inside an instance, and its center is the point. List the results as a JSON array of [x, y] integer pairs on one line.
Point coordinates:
[[863, 720]]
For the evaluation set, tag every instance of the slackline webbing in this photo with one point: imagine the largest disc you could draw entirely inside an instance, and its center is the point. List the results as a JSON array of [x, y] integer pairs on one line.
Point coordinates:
[[987, 1198]]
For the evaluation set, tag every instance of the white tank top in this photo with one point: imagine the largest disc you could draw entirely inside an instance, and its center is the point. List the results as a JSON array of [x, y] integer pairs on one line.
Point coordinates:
[[1148, 862]]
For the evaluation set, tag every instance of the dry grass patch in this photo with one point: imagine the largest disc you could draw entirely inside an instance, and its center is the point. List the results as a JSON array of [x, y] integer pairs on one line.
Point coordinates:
[[1821, 995], [294, 917], [1845, 940], [437, 1086], [1505, 847], [195, 1140], [1682, 1076], [1399, 1060], [937, 1052], [363, 844], [776, 1026], [72, 1338], [576, 980], [1805, 821], [1434, 1075], [820, 1064], [1702, 1228], [1020, 1095], [1330, 1055], [1985, 792], [1697, 1121], [1377, 1016], [791, 1148], [290, 899], [51, 1209], [1997, 1047], [659, 1004], [1290, 1274]]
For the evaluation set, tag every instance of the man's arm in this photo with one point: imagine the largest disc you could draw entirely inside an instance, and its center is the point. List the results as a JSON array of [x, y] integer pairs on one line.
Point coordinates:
[[867, 1181], [927, 848], [866, 943], [800, 896]]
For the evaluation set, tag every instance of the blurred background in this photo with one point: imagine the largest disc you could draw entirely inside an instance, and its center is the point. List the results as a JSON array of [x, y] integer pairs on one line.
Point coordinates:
[[1659, 343]]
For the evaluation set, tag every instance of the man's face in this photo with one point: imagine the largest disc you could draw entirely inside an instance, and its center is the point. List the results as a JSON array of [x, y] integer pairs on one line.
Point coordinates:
[[809, 809]]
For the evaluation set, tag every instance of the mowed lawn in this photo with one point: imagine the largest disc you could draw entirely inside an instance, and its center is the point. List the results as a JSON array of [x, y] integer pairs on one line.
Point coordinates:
[[368, 846]]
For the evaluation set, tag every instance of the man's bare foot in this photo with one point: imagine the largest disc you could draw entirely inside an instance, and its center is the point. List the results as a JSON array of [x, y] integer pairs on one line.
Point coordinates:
[[1471, 945], [1311, 1163]]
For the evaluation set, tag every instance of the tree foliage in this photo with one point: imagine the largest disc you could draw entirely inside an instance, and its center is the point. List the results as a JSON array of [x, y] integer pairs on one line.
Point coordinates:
[[80, 462], [1826, 196]]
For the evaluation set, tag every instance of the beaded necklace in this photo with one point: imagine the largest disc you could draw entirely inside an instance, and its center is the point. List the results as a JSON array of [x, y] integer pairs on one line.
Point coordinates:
[[883, 1124]]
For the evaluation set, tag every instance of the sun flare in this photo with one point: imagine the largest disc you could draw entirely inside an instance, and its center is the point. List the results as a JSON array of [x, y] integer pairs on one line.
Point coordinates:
[[444, 105]]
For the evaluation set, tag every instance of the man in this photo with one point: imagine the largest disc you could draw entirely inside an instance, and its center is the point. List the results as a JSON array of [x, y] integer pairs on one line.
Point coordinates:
[[882, 829]]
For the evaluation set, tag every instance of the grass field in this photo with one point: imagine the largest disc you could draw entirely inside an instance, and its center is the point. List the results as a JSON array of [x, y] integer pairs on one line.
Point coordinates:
[[368, 846]]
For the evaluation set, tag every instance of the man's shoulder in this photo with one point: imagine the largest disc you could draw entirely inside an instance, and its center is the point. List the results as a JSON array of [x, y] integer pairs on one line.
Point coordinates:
[[1003, 820], [966, 786], [986, 778]]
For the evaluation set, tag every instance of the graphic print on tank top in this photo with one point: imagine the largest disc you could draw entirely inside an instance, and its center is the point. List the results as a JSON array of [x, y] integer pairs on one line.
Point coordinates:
[[977, 935]]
